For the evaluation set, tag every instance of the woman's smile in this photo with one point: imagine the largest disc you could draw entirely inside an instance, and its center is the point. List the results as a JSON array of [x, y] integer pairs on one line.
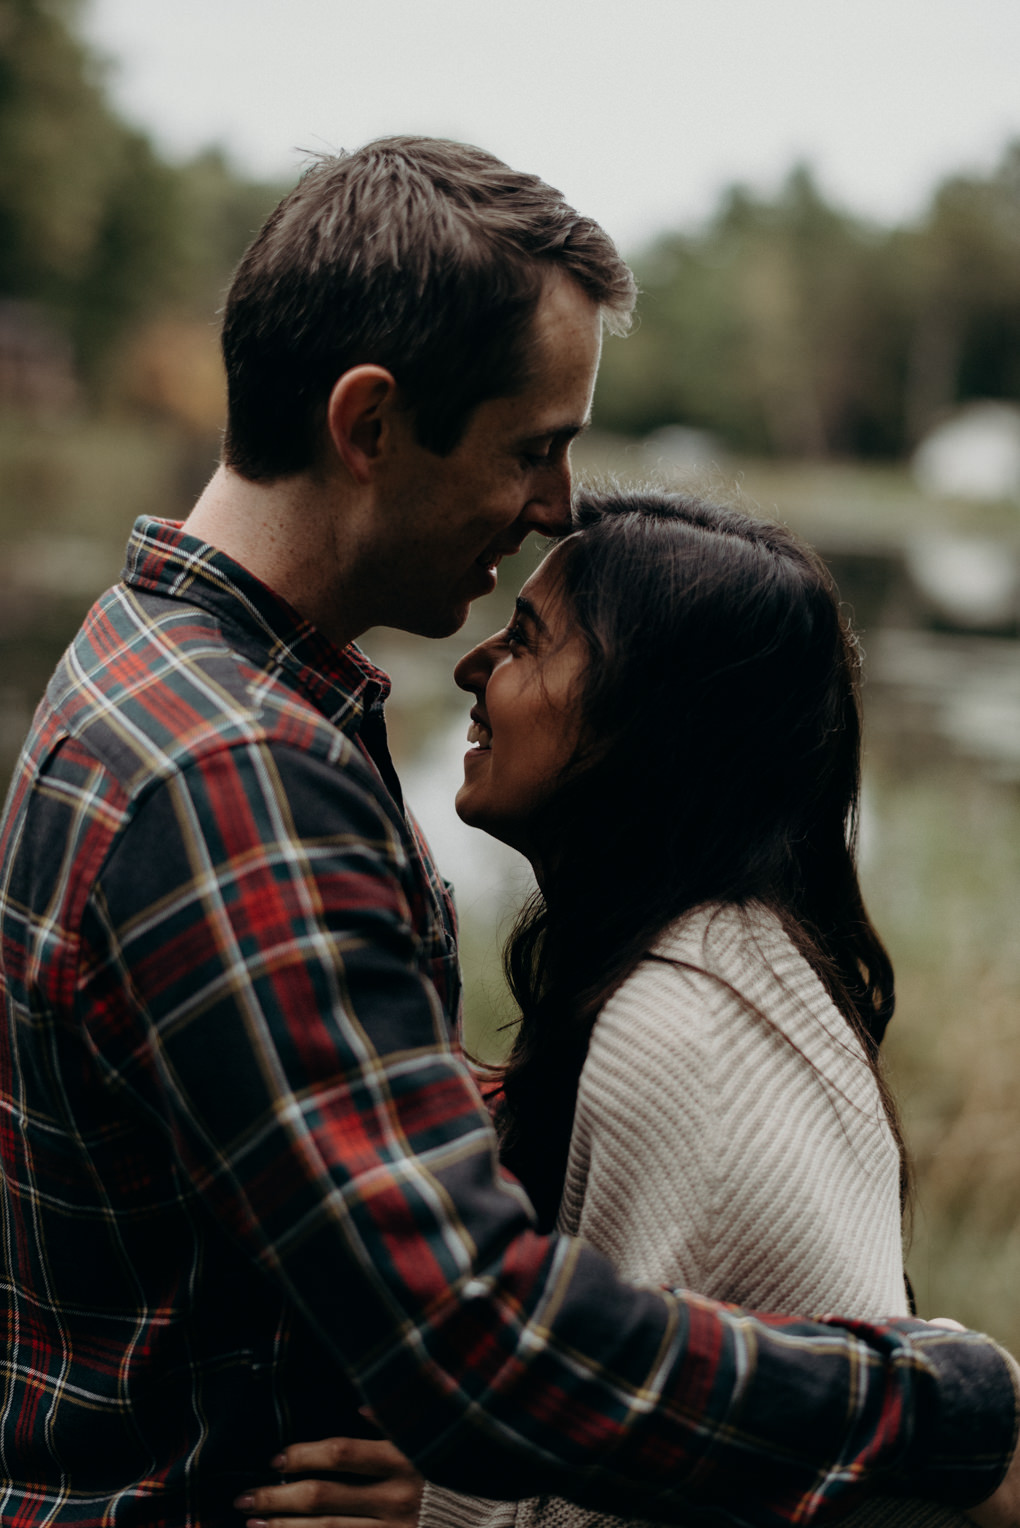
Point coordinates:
[[479, 735]]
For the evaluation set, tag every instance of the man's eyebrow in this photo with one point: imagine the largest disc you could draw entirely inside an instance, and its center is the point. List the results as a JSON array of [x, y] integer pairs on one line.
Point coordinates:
[[525, 608], [563, 432]]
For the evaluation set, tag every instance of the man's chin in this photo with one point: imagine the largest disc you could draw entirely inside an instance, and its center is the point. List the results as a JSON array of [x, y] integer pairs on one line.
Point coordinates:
[[436, 623]]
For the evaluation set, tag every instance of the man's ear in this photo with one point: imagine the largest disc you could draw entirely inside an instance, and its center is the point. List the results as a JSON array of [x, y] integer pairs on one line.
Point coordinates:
[[358, 417]]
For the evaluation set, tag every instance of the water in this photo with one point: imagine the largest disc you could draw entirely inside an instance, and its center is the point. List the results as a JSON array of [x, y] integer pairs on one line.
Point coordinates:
[[945, 691]]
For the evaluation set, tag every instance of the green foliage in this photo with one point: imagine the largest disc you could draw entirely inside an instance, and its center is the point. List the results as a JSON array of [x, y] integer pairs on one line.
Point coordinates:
[[94, 226], [56, 142], [221, 213], [961, 268], [795, 329], [87, 212]]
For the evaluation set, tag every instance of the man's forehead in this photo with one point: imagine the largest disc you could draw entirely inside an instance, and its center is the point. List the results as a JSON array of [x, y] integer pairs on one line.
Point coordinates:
[[565, 316]]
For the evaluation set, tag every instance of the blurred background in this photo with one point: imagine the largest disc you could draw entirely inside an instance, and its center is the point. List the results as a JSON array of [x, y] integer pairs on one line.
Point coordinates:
[[822, 203]]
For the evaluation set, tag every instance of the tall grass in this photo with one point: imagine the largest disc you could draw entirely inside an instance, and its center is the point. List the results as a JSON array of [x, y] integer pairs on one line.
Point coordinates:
[[942, 877]]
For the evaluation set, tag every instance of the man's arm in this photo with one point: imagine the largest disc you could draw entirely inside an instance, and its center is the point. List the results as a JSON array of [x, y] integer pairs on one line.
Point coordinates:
[[352, 1153]]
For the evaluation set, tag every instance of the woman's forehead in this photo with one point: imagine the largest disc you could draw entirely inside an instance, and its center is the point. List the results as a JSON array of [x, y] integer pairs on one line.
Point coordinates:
[[545, 584]]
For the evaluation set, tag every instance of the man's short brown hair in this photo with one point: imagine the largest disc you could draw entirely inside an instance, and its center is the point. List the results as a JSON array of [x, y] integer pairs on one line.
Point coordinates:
[[421, 255]]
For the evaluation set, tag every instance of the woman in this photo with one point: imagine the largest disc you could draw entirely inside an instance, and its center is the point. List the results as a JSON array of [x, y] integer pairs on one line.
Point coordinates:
[[669, 730]]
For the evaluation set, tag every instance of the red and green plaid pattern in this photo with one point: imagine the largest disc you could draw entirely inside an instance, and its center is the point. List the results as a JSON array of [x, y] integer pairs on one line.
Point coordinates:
[[248, 1181]]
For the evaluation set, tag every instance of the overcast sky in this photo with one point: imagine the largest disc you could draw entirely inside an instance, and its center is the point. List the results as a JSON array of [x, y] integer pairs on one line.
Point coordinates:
[[639, 110]]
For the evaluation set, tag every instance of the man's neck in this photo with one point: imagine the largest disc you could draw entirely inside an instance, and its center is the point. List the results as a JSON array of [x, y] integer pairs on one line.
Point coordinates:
[[286, 533]]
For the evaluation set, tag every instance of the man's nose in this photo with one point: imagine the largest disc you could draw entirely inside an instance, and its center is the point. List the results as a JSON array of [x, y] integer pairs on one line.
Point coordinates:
[[548, 511]]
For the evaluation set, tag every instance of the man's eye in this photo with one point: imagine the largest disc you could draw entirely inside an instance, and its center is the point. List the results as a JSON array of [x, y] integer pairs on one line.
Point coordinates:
[[537, 458]]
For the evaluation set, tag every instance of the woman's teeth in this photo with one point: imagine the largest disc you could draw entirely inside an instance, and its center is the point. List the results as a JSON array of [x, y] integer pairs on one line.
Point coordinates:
[[476, 733]]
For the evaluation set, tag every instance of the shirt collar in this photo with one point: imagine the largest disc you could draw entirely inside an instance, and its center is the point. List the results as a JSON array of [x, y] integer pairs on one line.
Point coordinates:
[[164, 559]]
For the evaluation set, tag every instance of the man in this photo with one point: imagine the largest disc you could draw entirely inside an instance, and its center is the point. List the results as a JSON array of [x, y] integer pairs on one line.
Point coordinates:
[[248, 1182]]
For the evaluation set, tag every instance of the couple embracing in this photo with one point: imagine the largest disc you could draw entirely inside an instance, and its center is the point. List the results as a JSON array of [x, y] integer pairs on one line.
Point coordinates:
[[252, 1192]]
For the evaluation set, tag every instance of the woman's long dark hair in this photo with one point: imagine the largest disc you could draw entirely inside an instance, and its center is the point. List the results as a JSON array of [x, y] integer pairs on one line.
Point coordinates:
[[720, 763]]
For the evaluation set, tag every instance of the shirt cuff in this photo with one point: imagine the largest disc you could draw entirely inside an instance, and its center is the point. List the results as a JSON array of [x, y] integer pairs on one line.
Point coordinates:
[[968, 1422]]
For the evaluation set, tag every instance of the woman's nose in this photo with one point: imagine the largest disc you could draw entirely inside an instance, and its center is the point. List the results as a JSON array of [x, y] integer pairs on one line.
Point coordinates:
[[472, 672]]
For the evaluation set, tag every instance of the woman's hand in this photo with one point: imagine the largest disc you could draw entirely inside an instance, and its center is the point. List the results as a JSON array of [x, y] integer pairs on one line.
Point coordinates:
[[389, 1493]]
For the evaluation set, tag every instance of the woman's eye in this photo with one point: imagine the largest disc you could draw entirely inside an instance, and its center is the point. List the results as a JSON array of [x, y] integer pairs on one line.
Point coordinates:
[[513, 637]]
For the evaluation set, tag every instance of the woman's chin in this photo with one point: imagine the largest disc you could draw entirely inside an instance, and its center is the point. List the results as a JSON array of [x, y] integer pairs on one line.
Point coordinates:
[[462, 805], [473, 813], [469, 809]]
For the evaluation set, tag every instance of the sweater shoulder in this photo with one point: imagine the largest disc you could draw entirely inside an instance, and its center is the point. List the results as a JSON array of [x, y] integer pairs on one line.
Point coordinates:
[[752, 982]]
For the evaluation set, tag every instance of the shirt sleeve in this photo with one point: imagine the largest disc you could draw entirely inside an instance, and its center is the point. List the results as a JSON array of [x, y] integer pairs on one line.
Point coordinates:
[[254, 921]]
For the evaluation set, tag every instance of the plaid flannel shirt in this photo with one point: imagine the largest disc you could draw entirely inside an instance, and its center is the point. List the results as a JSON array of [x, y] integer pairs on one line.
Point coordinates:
[[248, 1180]]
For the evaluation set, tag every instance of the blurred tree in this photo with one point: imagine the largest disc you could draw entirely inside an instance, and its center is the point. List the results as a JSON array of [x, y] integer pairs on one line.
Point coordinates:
[[171, 365], [94, 226], [87, 213], [766, 327], [790, 327], [961, 291], [222, 212]]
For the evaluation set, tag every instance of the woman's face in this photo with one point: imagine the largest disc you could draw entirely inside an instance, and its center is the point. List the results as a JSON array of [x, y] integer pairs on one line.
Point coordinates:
[[525, 724]]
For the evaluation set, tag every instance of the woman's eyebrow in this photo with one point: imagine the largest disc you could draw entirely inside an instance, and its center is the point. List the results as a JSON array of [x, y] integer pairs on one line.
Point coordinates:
[[525, 608]]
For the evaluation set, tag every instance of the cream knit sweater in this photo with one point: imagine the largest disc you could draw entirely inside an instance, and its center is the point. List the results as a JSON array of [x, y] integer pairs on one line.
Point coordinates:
[[729, 1138]]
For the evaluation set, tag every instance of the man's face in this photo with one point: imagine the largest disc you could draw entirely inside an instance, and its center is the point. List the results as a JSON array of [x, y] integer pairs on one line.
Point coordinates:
[[448, 520]]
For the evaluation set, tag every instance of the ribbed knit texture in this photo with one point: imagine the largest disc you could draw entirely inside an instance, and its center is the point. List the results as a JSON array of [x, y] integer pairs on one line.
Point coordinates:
[[729, 1138]]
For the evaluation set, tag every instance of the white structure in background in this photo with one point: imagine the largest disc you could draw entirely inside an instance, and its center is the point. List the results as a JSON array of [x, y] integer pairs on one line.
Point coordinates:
[[969, 580], [974, 454], [679, 450]]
